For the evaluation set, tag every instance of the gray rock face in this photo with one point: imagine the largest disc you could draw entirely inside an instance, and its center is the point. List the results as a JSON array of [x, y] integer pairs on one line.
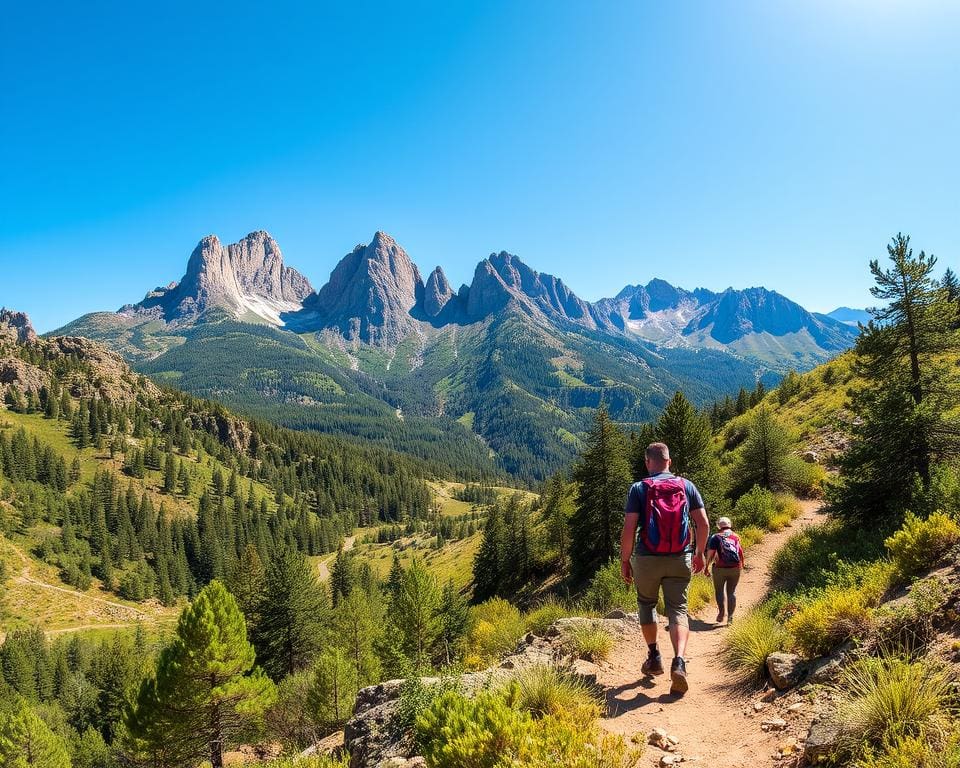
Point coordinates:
[[245, 278], [785, 669], [821, 741], [437, 293], [370, 296], [502, 279], [16, 327]]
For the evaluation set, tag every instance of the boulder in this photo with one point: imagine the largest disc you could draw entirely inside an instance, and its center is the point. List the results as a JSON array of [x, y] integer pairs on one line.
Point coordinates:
[[822, 740], [811, 457], [785, 669]]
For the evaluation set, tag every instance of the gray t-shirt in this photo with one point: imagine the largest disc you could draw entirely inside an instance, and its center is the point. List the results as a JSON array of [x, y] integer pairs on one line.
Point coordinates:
[[637, 499]]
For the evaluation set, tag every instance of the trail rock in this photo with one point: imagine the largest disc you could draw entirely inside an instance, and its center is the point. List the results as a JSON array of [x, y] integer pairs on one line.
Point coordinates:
[[774, 724], [821, 741], [785, 669]]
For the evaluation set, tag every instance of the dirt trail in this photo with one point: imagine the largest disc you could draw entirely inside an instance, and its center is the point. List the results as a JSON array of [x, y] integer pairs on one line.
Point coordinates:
[[323, 568], [709, 720]]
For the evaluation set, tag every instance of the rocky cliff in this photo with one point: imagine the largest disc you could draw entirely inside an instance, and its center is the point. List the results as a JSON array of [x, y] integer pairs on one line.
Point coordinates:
[[244, 279]]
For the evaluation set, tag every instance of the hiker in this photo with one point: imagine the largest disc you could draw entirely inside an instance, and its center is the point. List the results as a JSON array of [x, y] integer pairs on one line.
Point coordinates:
[[662, 555], [725, 554]]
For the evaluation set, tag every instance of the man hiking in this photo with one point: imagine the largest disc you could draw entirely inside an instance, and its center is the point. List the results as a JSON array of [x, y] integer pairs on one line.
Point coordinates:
[[726, 555], [662, 555]]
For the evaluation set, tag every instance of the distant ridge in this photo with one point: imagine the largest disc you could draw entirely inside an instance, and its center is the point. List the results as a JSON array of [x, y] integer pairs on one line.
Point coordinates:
[[849, 316], [505, 370]]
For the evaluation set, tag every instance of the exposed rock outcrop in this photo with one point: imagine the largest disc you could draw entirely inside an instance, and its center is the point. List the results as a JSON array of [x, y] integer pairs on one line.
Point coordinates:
[[437, 293], [370, 296], [372, 737], [16, 327], [244, 279]]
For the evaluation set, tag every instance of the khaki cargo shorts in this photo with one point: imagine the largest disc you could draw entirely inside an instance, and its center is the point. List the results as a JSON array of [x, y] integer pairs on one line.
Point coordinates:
[[671, 573]]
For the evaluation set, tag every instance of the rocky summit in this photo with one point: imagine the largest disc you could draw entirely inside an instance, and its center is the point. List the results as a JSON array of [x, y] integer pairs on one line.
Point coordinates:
[[508, 366], [245, 279], [16, 327]]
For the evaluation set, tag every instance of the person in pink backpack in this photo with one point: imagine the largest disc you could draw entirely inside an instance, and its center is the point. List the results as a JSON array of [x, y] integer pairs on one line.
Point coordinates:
[[658, 551], [725, 554]]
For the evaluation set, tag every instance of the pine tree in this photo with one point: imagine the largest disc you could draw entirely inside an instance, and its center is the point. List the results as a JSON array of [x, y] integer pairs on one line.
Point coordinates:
[[333, 690], [356, 624], [558, 506], [414, 612], [184, 479], [604, 478], [205, 690], [765, 452], [688, 435], [907, 411], [245, 580], [294, 616], [170, 474], [454, 613], [487, 575], [25, 740], [342, 575]]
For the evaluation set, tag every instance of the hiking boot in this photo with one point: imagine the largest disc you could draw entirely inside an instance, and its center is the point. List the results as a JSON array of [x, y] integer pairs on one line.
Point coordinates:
[[729, 619], [720, 618], [653, 665], [678, 676]]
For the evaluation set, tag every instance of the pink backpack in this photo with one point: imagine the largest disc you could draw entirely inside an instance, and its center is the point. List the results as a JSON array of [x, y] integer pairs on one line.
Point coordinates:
[[666, 526]]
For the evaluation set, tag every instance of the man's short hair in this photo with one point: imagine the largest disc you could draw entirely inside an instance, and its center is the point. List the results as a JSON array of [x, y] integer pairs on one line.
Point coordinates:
[[658, 452]]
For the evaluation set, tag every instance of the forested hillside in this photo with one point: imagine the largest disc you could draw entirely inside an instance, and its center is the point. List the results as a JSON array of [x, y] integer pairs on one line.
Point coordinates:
[[151, 493]]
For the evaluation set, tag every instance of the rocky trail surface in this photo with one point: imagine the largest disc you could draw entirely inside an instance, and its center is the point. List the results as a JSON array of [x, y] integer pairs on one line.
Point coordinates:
[[715, 723]]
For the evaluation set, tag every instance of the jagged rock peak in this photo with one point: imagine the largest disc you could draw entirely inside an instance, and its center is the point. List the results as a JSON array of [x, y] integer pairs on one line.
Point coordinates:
[[437, 293], [16, 326], [370, 295], [243, 278], [503, 277]]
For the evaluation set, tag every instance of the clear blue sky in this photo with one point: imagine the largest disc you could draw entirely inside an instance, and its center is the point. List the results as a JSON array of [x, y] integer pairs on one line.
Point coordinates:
[[711, 144]]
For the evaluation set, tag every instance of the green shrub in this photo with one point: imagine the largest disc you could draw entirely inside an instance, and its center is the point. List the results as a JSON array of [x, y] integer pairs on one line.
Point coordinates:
[[700, 592], [748, 643], [885, 700], [913, 752], [589, 641], [416, 697], [810, 558], [607, 591], [908, 628], [496, 628], [756, 507], [546, 690], [541, 617], [842, 611], [920, 544], [750, 536], [492, 730], [804, 479]]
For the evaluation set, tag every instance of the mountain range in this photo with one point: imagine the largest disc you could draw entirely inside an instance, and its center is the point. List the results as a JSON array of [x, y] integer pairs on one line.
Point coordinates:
[[512, 364]]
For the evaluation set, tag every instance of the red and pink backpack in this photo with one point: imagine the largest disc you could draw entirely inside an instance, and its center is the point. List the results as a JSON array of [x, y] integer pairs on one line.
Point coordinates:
[[666, 525]]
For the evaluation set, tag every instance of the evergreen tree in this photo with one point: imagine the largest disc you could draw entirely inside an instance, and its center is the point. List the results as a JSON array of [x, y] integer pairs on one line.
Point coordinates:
[[907, 411], [558, 506], [414, 613], [688, 435], [356, 623], [333, 691], [245, 580], [603, 477], [487, 576], [25, 740], [170, 474], [765, 453], [205, 690], [294, 616], [184, 479], [454, 615]]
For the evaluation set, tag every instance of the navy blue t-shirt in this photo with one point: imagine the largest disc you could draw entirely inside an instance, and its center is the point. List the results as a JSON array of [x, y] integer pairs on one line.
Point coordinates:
[[637, 498]]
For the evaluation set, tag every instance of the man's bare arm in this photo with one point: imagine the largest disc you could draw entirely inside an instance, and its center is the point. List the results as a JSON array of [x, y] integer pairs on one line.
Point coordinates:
[[627, 538], [702, 525]]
